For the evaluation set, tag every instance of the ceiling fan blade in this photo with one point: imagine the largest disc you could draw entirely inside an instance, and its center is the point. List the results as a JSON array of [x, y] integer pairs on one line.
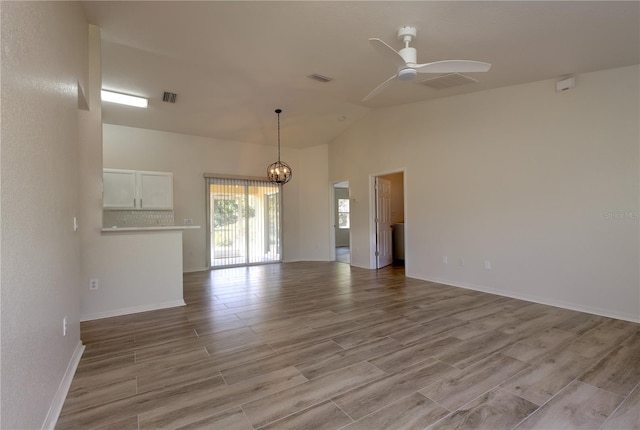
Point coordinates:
[[387, 51], [453, 66], [379, 88]]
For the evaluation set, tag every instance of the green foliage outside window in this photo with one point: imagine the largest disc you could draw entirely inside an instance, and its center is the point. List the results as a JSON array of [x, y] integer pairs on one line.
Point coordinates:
[[226, 212]]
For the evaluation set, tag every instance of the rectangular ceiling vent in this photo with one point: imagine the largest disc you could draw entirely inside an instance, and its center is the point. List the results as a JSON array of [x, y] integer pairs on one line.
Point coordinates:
[[447, 81], [320, 78], [169, 97]]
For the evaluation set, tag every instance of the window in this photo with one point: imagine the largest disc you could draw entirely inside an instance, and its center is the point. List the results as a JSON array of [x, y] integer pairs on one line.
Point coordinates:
[[343, 213]]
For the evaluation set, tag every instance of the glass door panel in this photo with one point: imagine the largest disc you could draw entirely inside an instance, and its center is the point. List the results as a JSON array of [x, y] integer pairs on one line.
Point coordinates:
[[244, 222]]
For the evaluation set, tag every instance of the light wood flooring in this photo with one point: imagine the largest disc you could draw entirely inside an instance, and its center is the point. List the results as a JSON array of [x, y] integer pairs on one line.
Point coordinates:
[[327, 346], [343, 254]]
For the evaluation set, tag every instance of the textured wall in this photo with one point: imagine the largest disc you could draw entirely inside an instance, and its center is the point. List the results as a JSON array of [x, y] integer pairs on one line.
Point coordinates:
[[312, 174], [137, 272], [44, 56], [545, 185]]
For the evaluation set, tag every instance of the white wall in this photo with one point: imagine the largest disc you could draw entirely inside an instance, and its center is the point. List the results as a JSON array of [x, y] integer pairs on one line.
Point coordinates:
[[138, 272], [314, 202], [545, 185], [44, 56], [188, 157]]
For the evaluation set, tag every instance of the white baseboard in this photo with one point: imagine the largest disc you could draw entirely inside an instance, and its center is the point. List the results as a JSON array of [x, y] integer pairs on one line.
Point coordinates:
[[63, 389], [535, 299], [196, 269], [134, 310]]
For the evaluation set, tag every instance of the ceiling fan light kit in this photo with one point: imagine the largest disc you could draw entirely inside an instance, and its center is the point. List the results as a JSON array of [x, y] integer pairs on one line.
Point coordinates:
[[407, 74], [406, 61]]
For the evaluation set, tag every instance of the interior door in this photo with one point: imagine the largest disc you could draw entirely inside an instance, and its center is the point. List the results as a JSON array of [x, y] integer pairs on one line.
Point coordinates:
[[384, 255]]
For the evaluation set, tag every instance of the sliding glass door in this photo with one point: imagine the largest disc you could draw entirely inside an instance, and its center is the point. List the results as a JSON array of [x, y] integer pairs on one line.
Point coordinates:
[[244, 222]]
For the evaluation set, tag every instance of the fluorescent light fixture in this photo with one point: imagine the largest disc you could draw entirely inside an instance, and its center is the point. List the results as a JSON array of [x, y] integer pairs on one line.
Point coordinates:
[[124, 99]]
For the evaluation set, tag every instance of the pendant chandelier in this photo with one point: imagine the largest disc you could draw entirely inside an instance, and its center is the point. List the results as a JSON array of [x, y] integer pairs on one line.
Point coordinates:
[[279, 172]]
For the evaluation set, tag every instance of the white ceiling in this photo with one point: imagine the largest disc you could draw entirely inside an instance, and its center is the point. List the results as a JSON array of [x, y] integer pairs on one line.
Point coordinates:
[[232, 63]]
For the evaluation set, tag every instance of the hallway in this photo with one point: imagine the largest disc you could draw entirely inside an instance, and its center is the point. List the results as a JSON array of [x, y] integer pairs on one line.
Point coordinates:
[[343, 254]]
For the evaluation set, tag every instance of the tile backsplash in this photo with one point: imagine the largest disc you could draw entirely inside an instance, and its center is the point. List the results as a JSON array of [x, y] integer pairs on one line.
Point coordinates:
[[114, 218]]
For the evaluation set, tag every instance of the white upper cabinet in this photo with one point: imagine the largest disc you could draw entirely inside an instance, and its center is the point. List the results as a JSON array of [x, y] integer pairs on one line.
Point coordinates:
[[132, 189], [155, 190], [119, 189]]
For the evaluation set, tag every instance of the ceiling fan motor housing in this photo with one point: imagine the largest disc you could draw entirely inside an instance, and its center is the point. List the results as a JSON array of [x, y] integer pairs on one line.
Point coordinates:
[[407, 33], [409, 55]]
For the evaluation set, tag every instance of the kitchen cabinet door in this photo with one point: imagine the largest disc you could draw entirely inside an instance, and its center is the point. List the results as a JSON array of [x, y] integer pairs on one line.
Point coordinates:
[[155, 190], [119, 189]]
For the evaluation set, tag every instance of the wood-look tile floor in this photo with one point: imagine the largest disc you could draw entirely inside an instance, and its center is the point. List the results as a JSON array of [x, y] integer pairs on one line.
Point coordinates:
[[328, 346]]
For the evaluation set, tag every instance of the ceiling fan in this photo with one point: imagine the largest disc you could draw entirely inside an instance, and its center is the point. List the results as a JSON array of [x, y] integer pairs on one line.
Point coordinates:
[[406, 61]]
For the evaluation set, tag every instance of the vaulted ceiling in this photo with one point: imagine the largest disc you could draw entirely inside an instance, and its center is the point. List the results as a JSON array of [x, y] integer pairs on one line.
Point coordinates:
[[232, 63]]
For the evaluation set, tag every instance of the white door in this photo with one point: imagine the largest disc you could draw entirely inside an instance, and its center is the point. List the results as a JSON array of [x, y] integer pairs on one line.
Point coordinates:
[[384, 255]]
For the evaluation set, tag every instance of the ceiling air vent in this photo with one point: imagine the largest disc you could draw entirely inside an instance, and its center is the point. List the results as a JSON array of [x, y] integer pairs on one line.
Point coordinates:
[[320, 78], [447, 81], [169, 97]]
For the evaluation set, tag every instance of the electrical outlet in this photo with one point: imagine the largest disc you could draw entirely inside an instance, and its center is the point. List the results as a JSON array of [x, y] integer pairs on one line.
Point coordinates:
[[93, 284], [64, 326], [75, 223], [487, 264], [461, 262], [445, 260]]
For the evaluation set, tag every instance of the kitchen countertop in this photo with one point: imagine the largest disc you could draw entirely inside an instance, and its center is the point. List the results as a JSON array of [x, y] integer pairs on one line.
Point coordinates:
[[150, 228]]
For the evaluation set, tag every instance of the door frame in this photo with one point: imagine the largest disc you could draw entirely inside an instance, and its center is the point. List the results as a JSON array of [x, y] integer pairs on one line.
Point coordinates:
[[373, 199]]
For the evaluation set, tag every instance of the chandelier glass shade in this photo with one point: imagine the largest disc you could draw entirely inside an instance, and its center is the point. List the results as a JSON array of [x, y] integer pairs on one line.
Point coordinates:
[[279, 172]]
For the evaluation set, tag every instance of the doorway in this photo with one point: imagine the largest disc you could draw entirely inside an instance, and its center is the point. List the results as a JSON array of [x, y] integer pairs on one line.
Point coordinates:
[[389, 219], [342, 224], [244, 223]]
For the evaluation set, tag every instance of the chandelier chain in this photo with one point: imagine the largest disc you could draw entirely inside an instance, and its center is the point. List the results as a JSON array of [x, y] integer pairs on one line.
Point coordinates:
[[278, 112]]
